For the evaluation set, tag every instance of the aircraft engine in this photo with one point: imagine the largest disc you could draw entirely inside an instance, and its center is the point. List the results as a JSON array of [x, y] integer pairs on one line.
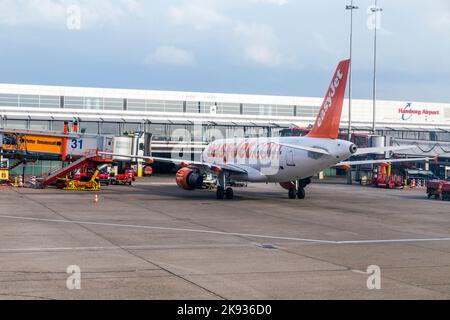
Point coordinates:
[[288, 185], [189, 179]]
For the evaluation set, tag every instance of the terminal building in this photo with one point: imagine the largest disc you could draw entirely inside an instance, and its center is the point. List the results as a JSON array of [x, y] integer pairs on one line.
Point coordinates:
[[199, 118]]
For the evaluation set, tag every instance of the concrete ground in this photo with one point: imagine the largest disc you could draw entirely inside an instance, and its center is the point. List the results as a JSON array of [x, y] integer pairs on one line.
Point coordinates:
[[155, 241]]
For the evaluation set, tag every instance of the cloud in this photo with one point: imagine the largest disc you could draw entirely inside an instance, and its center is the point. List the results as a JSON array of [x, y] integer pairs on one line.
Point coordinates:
[[17, 12], [198, 16], [259, 42], [55, 12], [262, 55], [276, 2], [172, 56]]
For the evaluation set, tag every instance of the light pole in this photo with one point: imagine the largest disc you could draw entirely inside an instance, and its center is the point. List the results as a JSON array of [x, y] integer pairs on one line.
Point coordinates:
[[350, 7], [375, 10]]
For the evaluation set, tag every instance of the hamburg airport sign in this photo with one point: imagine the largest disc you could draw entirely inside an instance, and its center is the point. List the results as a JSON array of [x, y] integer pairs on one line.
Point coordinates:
[[409, 112]]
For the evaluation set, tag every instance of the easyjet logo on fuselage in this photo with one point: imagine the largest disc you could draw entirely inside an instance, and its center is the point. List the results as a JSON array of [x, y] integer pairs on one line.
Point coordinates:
[[245, 150], [329, 100]]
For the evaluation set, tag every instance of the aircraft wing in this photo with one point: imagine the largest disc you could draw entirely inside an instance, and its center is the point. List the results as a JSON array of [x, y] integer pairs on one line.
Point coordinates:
[[355, 163], [208, 166], [309, 149], [382, 150]]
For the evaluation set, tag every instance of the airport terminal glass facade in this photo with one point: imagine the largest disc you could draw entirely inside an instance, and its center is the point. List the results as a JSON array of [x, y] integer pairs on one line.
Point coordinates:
[[161, 131], [145, 105]]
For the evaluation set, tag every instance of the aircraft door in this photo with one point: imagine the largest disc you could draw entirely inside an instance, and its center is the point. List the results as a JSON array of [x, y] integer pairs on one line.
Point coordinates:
[[290, 158]]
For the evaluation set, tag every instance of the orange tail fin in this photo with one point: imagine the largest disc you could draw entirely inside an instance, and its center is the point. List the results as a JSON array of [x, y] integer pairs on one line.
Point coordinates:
[[329, 118]]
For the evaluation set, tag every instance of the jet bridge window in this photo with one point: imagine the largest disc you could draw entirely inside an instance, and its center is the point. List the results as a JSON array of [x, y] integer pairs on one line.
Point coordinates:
[[89, 127], [112, 128], [17, 124], [40, 125]]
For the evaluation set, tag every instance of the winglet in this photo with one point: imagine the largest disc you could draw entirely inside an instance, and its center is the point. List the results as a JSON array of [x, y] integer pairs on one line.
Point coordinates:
[[329, 118]]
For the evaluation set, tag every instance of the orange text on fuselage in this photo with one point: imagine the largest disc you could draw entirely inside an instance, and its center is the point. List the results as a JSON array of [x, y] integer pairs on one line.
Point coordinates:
[[245, 150]]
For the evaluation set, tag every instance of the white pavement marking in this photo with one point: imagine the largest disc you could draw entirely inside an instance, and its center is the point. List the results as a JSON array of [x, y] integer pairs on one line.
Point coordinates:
[[111, 248], [225, 233], [166, 229]]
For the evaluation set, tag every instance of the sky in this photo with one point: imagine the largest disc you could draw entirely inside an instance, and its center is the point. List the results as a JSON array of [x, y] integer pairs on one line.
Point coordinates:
[[274, 47]]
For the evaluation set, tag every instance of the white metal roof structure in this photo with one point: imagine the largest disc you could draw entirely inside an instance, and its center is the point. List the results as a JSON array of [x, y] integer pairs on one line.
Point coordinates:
[[121, 105]]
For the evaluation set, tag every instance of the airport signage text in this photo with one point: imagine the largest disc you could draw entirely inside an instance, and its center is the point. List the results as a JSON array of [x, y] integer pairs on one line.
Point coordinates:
[[409, 112]]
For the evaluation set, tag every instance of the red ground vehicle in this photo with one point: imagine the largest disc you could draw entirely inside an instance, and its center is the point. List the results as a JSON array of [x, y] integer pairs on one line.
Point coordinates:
[[434, 188], [128, 177], [148, 171], [384, 179], [388, 182], [446, 191], [104, 178]]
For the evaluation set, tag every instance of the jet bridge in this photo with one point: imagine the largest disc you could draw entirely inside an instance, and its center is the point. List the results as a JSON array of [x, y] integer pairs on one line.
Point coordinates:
[[37, 145]]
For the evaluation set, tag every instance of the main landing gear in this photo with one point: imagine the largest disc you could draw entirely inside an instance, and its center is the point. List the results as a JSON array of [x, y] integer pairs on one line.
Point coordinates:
[[223, 192], [298, 192]]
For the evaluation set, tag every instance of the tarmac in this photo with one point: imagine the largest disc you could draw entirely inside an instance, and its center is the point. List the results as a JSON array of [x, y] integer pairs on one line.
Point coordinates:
[[156, 241]]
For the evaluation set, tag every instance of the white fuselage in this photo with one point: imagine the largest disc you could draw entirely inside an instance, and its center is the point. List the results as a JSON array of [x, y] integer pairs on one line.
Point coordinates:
[[273, 160]]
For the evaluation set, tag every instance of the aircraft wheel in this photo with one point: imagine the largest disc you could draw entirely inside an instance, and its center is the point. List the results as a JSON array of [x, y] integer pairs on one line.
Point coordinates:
[[220, 193], [291, 193], [229, 193], [301, 193]]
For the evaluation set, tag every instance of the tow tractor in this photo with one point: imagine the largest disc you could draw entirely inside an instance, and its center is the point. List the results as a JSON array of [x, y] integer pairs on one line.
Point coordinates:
[[82, 185]]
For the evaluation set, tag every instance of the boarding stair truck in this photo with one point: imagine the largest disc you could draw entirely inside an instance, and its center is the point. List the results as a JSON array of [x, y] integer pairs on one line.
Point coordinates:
[[81, 152]]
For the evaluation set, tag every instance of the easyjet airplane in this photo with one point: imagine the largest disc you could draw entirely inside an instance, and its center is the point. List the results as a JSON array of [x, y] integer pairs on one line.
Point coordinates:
[[290, 161]]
